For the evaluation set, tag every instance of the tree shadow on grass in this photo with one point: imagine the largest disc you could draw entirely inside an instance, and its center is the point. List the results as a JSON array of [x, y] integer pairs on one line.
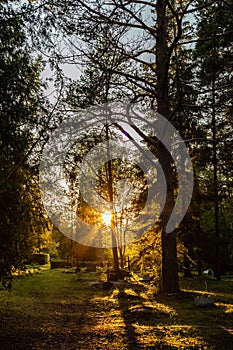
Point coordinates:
[[125, 319], [135, 312], [125, 302], [213, 325], [172, 322]]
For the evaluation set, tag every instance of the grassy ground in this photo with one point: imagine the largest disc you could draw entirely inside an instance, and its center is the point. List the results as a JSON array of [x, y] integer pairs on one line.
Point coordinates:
[[54, 310]]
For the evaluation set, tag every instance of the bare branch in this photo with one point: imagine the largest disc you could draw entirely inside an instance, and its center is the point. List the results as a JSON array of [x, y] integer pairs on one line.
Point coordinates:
[[179, 29], [110, 20]]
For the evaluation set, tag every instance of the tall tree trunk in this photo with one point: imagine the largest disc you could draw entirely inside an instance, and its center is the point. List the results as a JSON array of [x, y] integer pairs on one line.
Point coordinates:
[[217, 272], [170, 283]]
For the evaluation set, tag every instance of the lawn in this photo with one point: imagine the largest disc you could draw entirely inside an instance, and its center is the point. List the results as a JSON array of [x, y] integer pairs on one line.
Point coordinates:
[[55, 310]]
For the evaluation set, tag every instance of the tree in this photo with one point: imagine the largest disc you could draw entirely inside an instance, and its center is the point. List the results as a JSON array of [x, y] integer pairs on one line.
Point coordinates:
[[122, 199], [151, 31], [215, 56], [21, 219]]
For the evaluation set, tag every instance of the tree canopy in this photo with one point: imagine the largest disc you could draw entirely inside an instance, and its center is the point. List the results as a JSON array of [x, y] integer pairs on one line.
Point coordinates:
[[174, 57]]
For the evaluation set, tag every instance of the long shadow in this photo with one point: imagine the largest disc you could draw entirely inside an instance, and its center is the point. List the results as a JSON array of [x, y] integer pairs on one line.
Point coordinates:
[[125, 302], [134, 311], [68, 327], [200, 328], [211, 324]]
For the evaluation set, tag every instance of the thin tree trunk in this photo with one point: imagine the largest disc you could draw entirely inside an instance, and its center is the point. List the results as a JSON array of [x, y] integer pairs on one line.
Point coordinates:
[[110, 193], [121, 257], [187, 266]]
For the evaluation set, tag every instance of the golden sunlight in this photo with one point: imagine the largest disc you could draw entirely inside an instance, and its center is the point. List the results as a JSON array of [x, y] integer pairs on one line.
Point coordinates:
[[107, 218]]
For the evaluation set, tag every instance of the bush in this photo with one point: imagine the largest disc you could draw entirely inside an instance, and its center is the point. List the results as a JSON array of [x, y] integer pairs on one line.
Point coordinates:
[[40, 259]]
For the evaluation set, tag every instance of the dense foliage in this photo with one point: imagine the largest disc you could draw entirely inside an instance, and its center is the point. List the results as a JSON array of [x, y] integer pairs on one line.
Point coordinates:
[[176, 57], [21, 218]]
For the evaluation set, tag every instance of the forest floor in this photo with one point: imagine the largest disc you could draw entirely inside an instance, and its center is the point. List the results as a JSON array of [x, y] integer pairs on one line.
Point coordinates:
[[55, 310]]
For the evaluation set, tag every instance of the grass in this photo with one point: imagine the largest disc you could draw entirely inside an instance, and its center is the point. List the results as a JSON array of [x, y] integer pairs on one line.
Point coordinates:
[[55, 310]]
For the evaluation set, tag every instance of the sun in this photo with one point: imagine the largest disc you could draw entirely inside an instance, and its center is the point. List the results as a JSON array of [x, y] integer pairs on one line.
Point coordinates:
[[107, 216]]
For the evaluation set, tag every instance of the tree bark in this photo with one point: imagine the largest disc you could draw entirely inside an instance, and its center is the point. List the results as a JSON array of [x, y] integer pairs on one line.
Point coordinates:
[[217, 269], [170, 283], [110, 193]]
